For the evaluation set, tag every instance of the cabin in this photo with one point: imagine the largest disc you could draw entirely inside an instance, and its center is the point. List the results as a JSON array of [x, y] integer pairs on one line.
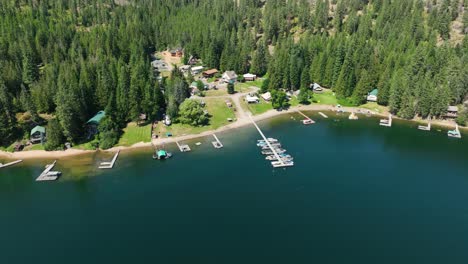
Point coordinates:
[[452, 112], [252, 99], [229, 77], [316, 87], [372, 96], [192, 60], [38, 134], [210, 73], [196, 70], [93, 123], [250, 77], [177, 52], [266, 96]]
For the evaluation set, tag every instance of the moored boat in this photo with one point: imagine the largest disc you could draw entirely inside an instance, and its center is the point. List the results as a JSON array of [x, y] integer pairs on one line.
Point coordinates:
[[162, 155]]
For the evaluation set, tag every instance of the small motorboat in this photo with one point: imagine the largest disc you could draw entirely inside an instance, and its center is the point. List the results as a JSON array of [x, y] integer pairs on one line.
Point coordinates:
[[162, 155], [198, 144], [308, 122]]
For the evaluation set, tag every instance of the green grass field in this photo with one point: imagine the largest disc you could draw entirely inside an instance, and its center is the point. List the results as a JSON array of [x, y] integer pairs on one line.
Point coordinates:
[[326, 98], [218, 110], [219, 92], [257, 109], [375, 107], [134, 134]]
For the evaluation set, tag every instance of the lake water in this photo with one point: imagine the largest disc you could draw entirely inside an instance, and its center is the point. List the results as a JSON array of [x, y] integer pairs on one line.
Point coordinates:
[[359, 193]]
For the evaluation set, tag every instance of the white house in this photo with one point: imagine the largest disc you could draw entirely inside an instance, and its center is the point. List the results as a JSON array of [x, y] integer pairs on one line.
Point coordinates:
[[250, 77], [252, 99], [316, 87], [266, 96], [197, 69], [229, 76], [372, 96]]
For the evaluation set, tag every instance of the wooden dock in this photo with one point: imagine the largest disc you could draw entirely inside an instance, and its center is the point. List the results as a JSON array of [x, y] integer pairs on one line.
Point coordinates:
[[109, 165], [217, 144], [386, 122], [307, 119], [10, 164], [425, 128], [322, 114], [280, 161], [184, 147], [48, 174]]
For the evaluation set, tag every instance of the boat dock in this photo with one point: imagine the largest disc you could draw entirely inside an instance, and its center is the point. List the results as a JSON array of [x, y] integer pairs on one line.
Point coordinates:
[[217, 144], [109, 165], [425, 128], [323, 115], [386, 122], [454, 133], [183, 147], [48, 174], [307, 119], [280, 162], [9, 164]]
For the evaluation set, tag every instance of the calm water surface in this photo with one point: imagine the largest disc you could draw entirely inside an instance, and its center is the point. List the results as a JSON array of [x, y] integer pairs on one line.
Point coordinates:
[[359, 193]]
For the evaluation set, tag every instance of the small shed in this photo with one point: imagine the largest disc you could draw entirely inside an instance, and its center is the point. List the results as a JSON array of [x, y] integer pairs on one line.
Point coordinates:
[[452, 112], [38, 134], [266, 96], [250, 77], [372, 96], [93, 123], [210, 73]]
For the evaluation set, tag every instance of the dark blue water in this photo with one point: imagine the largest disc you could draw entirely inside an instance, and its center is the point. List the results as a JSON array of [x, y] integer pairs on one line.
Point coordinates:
[[359, 193]]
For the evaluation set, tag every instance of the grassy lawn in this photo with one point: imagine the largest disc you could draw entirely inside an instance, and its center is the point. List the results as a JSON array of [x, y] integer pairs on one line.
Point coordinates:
[[245, 87], [257, 109], [218, 110], [326, 98], [375, 107], [219, 92], [134, 134], [87, 145], [34, 147]]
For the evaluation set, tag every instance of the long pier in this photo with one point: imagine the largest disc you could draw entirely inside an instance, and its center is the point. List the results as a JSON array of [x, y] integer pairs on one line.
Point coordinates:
[[217, 144], [277, 156], [322, 114], [10, 164], [184, 147], [304, 115], [48, 174], [109, 165]]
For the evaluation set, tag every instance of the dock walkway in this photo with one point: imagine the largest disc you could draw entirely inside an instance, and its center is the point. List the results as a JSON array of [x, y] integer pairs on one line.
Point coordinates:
[[217, 144], [48, 174], [322, 114], [109, 165], [10, 164], [184, 147], [277, 156]]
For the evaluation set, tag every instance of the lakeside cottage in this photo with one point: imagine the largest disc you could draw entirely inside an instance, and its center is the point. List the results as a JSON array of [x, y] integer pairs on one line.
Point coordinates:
[[251, 99], [229, 76], [38, 134], [372, 96], [266, 96], [452, 112], [210, 73], [250, 77], [93, 123], [196, 70]]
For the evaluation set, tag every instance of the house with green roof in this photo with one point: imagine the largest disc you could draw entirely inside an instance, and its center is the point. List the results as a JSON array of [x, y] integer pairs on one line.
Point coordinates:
[[372, 96], [38, 134], [93, 123]]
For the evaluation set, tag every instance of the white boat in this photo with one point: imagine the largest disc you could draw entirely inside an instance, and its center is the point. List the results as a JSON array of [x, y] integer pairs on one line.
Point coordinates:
[[454, 133], [308, 122]]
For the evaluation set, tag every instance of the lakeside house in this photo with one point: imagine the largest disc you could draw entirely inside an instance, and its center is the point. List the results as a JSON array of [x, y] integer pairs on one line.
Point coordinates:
[[38, 134], [229, 76], [178, 52], [250, 77], [372, 96], [252, 99], [196, 70], [210, 73], [452, 112], [192, 60], [266, 96], [93, 123]]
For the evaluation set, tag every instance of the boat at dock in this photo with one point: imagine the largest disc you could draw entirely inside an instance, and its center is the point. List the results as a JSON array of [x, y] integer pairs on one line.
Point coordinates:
[[279, 164], [271, 140], [270, 152], [454, 133], [425, 128], [308, 122], [162, 155]]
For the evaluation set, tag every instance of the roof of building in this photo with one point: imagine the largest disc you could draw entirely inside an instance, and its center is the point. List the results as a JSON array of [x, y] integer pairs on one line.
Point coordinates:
[[231, 74], [162, 153], [210, 72], [374, 92], [194, 85], [36, 129], [249, 75], [452, 109], [97, 118], [266, 96], [251, 98], [197, 68]]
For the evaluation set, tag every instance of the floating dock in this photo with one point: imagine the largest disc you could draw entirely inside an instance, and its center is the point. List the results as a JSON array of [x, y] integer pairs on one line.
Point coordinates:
[[10, 164], [307, 120], [454, 133], [184, 147], [425, 128], [48, 174], [386, 122], [109, 165], [322, 114], [217, 144], [280, 162]]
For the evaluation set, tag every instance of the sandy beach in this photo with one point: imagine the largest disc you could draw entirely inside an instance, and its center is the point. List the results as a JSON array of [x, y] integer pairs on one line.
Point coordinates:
[[242, 120]]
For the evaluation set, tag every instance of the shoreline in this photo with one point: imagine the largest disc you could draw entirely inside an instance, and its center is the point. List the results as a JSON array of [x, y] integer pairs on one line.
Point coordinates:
[[241, 122]]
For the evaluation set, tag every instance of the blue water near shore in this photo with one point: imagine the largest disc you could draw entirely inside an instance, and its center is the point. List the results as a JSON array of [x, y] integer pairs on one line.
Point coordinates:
[[359, 193]]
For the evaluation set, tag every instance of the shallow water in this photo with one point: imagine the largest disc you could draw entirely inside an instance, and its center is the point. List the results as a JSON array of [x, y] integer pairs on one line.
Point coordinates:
[[359, 193]]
